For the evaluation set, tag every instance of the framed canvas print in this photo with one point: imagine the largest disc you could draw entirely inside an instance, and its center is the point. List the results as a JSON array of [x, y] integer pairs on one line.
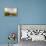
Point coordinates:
[[10, 11]]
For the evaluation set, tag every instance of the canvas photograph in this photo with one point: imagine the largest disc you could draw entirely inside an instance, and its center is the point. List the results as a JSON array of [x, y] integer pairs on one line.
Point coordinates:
[[10, 11]]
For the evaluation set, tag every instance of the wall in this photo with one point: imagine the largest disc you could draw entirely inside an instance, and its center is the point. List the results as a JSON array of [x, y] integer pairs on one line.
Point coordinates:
[[29, 12]]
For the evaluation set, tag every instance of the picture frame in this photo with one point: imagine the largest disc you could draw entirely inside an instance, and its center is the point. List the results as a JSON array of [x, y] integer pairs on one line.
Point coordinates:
[[10, 11]]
